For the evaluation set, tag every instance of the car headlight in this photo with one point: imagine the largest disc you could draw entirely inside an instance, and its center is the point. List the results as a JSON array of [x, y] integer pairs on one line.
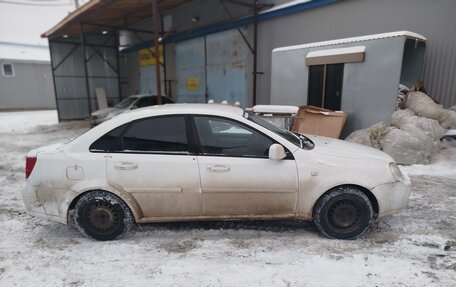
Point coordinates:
[[396, 172]]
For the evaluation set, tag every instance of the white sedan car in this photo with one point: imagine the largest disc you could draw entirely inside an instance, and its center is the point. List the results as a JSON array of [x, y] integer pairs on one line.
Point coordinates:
[[209, 162]]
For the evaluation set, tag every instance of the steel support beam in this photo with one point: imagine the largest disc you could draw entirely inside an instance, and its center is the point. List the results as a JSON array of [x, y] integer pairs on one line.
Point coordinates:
[[156, 36], [117, 28], [53, 81], [255, 50], [118, 63], [66, 57], [148, 48], [238, 28], [165, 79], [83, 48]]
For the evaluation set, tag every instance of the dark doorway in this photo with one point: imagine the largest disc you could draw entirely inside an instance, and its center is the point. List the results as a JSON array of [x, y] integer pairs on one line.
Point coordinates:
[[325, 86]]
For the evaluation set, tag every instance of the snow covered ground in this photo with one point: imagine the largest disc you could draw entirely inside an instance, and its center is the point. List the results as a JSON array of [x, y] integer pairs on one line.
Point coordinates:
[[414, 248]]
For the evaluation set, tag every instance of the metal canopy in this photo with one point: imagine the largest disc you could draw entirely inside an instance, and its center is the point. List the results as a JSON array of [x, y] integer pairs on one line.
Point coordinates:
[[99, 18], [109, 13]]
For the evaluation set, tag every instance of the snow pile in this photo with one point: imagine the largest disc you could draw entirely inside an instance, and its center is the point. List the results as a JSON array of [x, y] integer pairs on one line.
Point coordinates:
[[414, 133], [26, 120], [443, 164], [416, 247]]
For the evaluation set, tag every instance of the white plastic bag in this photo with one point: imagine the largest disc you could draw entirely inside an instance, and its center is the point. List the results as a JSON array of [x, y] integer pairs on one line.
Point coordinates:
[[409, 147], [361, 137], [372, 136], [449, 119], [408, 122], [422, 105]]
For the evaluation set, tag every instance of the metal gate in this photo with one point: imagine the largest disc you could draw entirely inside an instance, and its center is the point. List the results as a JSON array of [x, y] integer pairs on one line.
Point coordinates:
[[70, 81], [190, 71], [212, 68], [226, 60]]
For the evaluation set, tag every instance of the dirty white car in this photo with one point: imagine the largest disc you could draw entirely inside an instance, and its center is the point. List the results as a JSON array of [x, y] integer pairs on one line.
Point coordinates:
[[209, 162]]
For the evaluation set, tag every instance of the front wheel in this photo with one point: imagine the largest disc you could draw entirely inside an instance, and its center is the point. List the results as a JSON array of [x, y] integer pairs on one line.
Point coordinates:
[[343, 213], [102, 215]]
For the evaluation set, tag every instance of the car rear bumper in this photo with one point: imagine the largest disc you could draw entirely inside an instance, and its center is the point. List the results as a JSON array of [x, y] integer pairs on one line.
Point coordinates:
[[35, 207], [392, 197]]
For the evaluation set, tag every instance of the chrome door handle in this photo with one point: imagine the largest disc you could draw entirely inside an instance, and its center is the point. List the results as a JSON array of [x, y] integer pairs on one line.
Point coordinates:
[[124, 165], [218, 168]]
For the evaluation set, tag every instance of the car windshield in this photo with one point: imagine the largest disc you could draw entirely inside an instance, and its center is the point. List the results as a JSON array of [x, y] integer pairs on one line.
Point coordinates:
[[126, 103], [293, 138]]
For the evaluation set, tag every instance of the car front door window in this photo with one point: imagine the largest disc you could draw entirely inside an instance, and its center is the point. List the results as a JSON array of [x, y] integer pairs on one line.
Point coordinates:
[[224, 137]]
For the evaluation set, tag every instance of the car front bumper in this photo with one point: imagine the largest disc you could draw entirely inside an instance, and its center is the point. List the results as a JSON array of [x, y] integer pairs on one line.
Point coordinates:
[[392, 197]]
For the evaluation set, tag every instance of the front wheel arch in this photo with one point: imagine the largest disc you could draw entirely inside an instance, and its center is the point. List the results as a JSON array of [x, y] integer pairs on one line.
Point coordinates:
[[366, 191], [344, 212]]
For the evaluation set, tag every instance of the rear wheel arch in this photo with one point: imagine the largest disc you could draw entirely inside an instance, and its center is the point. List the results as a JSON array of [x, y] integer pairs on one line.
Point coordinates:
[[125, 197], [102, 215]]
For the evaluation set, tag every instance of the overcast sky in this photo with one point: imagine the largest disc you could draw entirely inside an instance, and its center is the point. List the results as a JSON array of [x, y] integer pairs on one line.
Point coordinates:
[[25, 23]]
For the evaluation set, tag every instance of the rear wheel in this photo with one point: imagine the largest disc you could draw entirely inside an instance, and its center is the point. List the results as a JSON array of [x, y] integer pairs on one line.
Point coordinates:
[[343, 213], [102, 215]]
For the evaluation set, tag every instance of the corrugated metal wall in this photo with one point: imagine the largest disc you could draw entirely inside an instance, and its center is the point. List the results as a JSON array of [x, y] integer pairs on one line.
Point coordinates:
[[346, 18], [30, 88], [226, 60], [434, 19], [191, 64], [69, 76], [212, 68]]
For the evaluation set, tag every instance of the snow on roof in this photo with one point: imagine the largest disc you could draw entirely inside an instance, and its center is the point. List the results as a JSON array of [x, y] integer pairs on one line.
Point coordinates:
[[285, 5], [24, 52], [407, 34], [338, 51]]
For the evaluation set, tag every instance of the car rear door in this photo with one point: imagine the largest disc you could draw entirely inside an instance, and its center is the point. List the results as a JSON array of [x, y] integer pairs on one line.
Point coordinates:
[[237, 177], [155, 165]]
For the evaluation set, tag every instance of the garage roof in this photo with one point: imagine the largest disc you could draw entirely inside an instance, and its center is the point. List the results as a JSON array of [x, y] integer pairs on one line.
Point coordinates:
[[108, 13], [407, 34], [24, 53]]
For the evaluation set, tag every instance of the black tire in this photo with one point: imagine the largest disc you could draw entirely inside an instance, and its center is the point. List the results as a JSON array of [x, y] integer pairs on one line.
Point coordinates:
[[343, 213], [102, 215]]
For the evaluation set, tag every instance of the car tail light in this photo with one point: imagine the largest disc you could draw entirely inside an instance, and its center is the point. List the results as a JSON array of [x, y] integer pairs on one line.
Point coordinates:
[[29, 164]]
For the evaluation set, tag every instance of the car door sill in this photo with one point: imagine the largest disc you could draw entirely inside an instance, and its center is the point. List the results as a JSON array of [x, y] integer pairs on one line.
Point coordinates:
[[262, 190], [218, 217]]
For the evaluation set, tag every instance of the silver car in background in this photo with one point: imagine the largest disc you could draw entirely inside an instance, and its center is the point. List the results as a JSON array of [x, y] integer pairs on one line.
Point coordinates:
[[130, 103]]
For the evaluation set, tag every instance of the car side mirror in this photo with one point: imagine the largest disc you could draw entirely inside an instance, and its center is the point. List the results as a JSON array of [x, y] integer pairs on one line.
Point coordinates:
[[277, 152]]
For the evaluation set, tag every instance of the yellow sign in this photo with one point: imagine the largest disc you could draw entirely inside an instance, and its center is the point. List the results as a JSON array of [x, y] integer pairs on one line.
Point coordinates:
[[192, 83], [147, 56]]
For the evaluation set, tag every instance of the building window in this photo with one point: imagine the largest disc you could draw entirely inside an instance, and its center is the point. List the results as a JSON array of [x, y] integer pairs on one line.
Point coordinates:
[[325, 86], [326, 74], [7, 70]]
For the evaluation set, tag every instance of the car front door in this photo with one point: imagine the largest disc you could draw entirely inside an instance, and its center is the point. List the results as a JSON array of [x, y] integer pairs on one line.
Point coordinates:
[[237, 177], [153, 162]]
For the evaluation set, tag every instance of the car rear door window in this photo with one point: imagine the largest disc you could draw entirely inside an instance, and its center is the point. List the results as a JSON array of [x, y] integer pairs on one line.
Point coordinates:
[[225, 137], [157, 135], [108, 142]]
